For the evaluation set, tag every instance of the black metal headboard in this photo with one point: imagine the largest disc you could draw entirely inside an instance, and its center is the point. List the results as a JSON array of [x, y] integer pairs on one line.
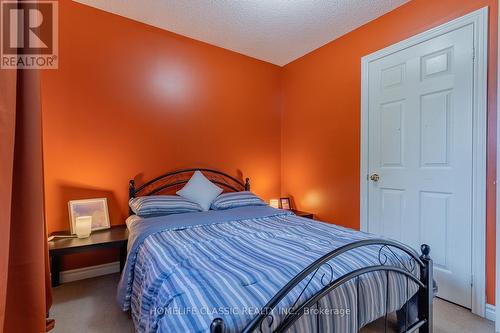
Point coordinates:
[[178, 178]]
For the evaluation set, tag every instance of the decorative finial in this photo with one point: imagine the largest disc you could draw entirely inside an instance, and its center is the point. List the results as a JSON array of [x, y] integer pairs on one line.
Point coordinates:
[[426, 249], [131, 189], [217, 326]]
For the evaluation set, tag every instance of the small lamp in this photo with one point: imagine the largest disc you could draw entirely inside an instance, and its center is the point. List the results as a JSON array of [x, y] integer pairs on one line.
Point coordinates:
[[275, 203], [83, 226]]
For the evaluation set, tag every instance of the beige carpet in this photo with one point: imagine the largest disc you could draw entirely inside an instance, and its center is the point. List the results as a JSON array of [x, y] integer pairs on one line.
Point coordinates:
[[89, 306]]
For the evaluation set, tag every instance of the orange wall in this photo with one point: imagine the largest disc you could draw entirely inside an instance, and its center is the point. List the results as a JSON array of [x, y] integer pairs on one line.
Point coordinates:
[[321, 119], [129, 99]]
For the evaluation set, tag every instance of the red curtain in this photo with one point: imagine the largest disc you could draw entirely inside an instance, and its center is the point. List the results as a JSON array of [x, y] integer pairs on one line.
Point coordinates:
[[25, 294], [7, 133]]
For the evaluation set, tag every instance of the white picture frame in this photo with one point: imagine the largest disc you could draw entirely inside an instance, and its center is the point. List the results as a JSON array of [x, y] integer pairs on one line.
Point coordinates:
[[97, 208]]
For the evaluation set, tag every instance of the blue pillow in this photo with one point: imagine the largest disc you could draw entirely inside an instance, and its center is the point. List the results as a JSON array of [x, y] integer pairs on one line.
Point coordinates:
[[236, 199], [155, 205]]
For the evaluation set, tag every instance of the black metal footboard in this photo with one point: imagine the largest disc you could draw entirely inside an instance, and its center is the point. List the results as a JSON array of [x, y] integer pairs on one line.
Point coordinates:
[[424, 279]]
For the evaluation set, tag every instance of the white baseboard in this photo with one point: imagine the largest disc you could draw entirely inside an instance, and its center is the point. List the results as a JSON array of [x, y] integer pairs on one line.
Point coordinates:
[[490, 312], [89, 272]]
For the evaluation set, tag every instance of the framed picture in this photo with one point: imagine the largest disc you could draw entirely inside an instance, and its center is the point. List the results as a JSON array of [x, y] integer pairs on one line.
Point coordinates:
[[285, 203], [97, 208]]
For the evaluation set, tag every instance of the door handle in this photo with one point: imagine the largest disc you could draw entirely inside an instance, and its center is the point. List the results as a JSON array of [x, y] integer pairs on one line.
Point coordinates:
[[375, 177]]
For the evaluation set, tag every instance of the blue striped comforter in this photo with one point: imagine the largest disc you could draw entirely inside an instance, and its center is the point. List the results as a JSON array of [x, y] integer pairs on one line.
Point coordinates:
[[184, 270]]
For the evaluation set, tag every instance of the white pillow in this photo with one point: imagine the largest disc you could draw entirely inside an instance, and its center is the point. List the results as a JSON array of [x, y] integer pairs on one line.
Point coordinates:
[[200, 190]]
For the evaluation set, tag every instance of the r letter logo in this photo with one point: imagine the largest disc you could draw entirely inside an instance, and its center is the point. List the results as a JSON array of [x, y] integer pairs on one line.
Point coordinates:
[[29, 36]]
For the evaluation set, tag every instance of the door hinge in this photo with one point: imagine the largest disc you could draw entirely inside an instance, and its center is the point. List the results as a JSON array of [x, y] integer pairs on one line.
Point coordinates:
[[473, 54], [472, 280]]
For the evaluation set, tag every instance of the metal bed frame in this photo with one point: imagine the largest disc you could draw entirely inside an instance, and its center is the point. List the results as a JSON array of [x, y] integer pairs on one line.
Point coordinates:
[[171, 181], [419, 269]]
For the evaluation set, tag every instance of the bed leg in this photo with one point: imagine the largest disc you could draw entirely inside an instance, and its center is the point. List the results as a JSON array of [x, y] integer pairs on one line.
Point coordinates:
[[426, 295], [217, 326]]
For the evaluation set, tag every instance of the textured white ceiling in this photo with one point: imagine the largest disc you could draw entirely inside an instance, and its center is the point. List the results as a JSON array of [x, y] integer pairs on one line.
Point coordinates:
[[276, 31]]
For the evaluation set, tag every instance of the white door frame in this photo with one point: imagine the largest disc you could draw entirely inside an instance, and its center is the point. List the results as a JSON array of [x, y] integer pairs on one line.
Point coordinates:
[[479, 20], [497, 266]]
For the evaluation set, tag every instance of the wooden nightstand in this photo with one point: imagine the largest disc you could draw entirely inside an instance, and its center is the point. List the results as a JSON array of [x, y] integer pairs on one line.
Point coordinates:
[[303, 214], [115, 237]]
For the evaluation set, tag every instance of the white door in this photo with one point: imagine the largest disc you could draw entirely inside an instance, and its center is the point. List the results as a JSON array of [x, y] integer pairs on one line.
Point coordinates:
[[420, 146]]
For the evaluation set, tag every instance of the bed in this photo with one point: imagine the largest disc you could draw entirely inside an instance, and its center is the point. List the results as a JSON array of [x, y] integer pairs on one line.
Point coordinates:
[[260, 269]]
